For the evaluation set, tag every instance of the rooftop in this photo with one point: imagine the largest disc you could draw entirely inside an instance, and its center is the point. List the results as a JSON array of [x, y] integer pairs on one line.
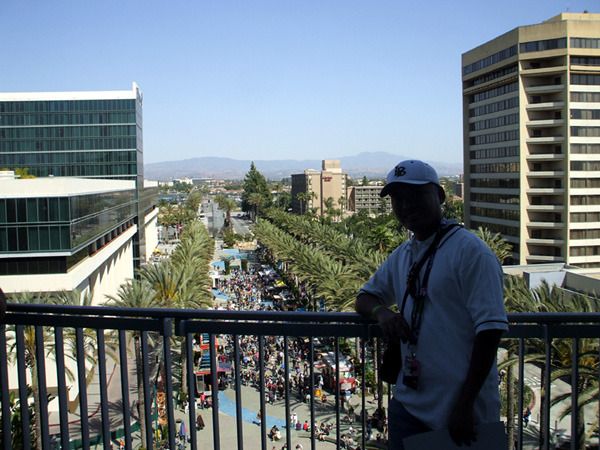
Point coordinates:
[[60, 186]]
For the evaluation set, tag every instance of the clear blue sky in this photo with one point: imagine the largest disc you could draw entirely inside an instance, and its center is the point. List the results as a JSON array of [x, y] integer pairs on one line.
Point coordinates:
[[273, 79]]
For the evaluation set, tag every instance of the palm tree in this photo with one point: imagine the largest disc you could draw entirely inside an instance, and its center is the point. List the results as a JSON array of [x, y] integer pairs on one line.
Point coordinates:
[[136, 294], [257, 201], [497, 244]]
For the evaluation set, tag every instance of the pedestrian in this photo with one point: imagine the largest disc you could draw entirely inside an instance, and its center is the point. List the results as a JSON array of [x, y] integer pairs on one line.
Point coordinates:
[[199, 422], [447, 285]]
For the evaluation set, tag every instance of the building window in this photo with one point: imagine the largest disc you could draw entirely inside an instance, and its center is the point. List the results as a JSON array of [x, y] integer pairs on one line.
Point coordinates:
[[585, 42], [585, 79], [489, 60], [540, 46], [585, 131]]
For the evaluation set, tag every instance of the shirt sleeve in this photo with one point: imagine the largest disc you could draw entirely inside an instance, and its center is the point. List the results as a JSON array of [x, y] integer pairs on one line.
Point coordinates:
[[483, 288], [381, 283]]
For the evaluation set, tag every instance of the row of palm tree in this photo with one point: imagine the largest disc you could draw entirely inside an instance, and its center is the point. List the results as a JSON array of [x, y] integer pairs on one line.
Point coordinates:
[[183, 281]]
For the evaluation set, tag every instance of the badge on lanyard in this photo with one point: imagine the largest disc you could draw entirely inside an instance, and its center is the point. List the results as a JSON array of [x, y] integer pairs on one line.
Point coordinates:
[[411, 370]]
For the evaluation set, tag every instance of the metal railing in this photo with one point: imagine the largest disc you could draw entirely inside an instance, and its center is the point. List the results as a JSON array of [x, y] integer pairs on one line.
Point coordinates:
[[145, 346]]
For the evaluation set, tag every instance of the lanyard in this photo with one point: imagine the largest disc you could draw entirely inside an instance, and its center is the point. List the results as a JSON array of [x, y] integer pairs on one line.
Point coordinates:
[[412, 281]]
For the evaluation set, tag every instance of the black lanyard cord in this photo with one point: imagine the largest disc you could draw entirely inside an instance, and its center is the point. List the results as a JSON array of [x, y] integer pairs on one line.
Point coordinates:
[[412, 281]]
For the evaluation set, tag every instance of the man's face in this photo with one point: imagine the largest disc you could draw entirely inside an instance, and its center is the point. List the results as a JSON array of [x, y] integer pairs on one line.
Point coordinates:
[[417, 206]]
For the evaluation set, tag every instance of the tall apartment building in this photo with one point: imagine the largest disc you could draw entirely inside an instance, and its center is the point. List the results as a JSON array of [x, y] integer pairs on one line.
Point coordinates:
[[80, 134], [320, 188], [531, 109]]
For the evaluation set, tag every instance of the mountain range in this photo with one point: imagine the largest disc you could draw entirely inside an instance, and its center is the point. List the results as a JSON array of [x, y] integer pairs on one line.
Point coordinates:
[[370, 164]]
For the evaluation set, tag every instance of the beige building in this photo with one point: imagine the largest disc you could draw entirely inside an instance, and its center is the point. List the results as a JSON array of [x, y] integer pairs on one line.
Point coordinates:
[[313, 189], [531, 109], [367, 198]]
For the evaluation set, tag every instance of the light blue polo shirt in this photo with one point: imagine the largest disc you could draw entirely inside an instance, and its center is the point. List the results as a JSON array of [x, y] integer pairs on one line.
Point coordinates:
[[465, 296]]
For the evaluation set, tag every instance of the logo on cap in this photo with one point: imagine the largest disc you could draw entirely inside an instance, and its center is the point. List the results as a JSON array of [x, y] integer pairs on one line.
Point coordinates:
[[400, 171]]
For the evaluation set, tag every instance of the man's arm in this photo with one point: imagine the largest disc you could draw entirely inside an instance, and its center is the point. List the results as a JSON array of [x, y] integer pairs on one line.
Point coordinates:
[[461, 421], [392, 324]]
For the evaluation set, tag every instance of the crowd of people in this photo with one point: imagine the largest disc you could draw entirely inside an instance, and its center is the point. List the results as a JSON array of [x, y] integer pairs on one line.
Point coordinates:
[[258, 288]]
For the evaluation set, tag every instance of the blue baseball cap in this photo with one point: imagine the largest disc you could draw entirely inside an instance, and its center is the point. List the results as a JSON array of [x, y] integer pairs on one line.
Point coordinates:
[[411, 171]]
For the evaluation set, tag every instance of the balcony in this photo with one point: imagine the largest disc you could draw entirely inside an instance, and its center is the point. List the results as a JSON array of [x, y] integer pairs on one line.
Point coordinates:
[[140, 350], [546, 106], [545, 89]]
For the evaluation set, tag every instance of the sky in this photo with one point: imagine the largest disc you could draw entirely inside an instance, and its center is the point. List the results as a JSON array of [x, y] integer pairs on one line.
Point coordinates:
[[268, 79]]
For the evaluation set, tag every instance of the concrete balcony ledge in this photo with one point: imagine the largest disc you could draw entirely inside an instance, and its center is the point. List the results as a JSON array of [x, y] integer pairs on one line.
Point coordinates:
[[546, 174], [544, 139], [545, 123], [546, 157], [545, 208], [551, 191], [544, 258], [544, 70], [553, 225], [545, 241], [545, 106], [546, 88]]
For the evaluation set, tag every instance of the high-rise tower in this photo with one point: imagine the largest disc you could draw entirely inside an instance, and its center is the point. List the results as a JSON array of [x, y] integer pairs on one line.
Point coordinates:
[[531, 121]]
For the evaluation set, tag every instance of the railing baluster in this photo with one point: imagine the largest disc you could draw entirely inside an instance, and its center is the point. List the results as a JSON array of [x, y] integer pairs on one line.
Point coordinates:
[[363, 385], [311, 358], [286, 364], [42, 391], [191, 389], [521, 391], [62, 387], [147, 396], [337, 387], [103, 389], [167, 333], [23, 394], [575, 394], [125, 389], [547, 383], [239, 420], [6, 415], [82, 384], [261, 390], [214, 392]]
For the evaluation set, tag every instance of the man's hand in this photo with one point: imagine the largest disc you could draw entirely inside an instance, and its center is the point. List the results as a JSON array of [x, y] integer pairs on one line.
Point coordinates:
[[393, 325], [461, 424]]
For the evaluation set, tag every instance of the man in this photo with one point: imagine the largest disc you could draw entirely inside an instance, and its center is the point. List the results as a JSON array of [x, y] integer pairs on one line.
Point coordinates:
[[447, 285]]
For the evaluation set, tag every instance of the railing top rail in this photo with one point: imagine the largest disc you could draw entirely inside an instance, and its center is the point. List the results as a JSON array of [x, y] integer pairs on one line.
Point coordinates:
[[272, 316]]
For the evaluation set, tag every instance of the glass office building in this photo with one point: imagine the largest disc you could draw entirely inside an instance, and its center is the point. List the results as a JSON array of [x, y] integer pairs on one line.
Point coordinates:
[[49, 225], [77, 134]]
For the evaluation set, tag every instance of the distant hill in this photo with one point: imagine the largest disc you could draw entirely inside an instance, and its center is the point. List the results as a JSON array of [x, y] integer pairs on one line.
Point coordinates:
[[371, 164]]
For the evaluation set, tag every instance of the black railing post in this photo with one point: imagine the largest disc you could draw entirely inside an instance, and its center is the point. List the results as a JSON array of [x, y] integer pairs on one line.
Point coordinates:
[[575, 394], [547, 383], [191, 389], [23, 387], [261, 390], [286, 362], [43, 392], [521, 391], [238, 392], [146, 393], [337, 387], [102, 382], [6, 416], [363, 385], [125, 389], [214, 389], [82, 384], [62, 387], [167, 332]]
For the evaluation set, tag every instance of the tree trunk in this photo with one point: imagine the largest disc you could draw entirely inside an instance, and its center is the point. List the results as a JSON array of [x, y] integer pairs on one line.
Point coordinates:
[[510, 406], [36, 407], [140, 390]]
